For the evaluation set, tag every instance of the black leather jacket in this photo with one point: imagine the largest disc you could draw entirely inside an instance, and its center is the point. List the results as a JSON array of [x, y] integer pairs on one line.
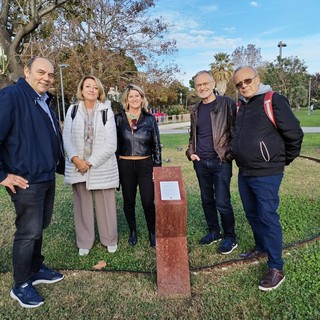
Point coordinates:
[[223, 118], [145, 141]]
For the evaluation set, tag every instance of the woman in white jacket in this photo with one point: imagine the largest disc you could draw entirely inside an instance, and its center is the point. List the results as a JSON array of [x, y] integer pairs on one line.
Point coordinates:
[[90, 141]]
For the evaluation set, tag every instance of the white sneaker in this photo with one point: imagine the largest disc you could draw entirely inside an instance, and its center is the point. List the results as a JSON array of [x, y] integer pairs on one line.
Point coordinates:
[[83, 252], [112, 249]]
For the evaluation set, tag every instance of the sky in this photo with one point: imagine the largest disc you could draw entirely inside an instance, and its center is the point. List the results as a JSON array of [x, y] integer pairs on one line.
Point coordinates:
[[203, 28]]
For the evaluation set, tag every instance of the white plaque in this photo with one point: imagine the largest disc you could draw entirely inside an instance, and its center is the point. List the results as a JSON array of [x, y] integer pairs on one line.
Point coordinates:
[[169, 190]]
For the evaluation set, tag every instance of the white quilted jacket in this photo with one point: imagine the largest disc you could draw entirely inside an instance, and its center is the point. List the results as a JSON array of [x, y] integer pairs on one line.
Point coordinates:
[[103, 173]]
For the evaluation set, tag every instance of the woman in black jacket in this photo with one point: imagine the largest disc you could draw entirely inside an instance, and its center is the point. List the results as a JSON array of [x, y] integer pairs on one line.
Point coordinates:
[[139, 149]]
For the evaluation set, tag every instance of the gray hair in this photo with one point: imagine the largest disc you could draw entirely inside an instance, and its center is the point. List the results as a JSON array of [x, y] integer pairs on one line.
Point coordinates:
[[33, 59], [246, 67], [209, 73]]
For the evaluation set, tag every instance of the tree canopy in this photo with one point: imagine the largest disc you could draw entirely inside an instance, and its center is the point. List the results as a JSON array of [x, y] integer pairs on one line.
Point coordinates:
[[114, 40]]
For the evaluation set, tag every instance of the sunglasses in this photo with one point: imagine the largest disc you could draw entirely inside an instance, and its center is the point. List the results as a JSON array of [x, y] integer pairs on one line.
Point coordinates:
[[134, 125], [129, 86], [245, 81]]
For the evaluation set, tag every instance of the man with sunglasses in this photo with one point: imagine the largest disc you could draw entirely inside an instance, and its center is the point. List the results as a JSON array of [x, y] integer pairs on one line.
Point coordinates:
[[262, 150], [212, 123]]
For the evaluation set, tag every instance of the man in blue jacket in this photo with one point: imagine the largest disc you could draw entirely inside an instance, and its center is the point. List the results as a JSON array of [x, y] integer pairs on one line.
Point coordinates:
[[30, 146], [262, 150]]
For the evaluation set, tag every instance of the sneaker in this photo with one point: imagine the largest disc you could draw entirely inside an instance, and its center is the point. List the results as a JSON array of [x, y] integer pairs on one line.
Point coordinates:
[[227, 246], [210, 238], [46, 275], [271, 280], [27, 296], [83, 252], [112, 249]]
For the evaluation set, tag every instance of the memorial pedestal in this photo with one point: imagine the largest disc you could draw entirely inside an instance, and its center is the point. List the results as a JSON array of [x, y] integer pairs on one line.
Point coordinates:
[[173, 277]]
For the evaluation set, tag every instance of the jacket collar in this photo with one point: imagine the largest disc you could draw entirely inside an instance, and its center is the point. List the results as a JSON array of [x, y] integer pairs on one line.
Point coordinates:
[[24, 85]]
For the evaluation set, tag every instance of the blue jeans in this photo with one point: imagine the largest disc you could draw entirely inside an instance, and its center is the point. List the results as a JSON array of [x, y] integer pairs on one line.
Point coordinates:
[[34, 207], [214, 181], [260, 201]]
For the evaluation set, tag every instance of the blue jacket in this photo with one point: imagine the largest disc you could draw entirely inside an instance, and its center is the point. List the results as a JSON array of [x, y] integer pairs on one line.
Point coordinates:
[[29, 146]]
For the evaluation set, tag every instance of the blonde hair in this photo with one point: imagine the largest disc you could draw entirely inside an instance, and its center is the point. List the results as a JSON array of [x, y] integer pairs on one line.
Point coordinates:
[[124, 97], [102, 95]]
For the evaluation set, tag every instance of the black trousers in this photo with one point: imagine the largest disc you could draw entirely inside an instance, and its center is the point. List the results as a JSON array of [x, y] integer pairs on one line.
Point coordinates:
[[133, 174]]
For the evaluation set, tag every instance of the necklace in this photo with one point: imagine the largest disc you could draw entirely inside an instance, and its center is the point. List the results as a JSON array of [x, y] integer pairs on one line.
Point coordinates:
[[132, 116]]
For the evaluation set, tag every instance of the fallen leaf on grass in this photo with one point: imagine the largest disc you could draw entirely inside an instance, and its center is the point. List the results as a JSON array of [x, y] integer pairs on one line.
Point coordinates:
[[101, 264]]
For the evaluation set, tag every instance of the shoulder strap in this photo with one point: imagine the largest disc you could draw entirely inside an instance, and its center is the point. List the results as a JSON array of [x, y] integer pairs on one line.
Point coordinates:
[[268, 109], [104, 116], [239, 104], [74, 111]]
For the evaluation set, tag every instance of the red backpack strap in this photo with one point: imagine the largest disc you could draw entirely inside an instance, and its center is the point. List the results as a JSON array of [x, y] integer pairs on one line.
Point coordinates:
[[268, 109], [239, 104]]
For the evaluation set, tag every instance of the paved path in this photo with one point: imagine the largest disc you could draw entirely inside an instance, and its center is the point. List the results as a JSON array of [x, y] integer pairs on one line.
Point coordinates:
[[182, 127]]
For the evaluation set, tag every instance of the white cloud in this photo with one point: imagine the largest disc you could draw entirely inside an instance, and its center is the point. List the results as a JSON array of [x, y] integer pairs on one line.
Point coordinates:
[[274, 30], [211, 8], [202, 32], [255, 4], [230, 29]]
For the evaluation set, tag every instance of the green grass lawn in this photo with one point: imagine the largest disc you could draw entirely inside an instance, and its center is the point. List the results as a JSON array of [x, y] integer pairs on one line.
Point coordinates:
[[127, 287], [308, 120]]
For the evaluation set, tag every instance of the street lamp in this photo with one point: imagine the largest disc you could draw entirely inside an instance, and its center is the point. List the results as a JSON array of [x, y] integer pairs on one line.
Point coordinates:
[[309, 96], [62, 65], [281, 45], [180, 97]]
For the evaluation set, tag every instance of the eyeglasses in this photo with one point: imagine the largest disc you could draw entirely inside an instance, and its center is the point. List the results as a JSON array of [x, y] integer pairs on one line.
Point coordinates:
[[205, 84], [134, 125], [245, 81]]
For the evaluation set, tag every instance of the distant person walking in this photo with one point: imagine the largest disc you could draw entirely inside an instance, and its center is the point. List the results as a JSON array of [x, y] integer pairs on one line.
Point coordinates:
[[212, 123], [262, 151]]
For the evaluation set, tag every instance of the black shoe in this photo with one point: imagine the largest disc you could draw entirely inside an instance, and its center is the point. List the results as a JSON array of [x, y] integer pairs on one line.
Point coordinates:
[[210, 238], [250, 254], [133, 239], [152, 239]]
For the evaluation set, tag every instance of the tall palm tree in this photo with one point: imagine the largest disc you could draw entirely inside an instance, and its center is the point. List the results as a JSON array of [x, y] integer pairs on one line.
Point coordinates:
[[222, 70]]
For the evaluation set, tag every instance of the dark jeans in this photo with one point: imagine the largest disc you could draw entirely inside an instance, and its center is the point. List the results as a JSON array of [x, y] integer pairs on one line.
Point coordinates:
[[260, 201], [214, 181], [34, 207], [134, 173]]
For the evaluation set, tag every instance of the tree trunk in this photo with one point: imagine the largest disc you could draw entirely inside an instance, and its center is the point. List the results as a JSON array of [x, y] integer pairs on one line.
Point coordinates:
[[221, 87], [4, 81]]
